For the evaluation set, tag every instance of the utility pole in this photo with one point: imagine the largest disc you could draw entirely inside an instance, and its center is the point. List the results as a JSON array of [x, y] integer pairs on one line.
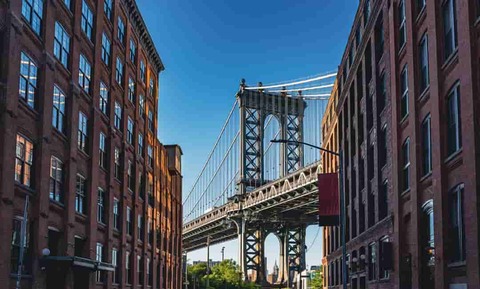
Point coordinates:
[[23, 239], [186, 270], [208, 262], [223, 253]]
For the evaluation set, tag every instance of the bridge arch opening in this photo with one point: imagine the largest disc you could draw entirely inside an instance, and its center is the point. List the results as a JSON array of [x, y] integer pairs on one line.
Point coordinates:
[[272, 258], [271, 152]]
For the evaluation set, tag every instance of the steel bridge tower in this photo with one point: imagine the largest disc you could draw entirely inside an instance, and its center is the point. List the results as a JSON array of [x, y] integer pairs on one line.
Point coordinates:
[[255, 106]]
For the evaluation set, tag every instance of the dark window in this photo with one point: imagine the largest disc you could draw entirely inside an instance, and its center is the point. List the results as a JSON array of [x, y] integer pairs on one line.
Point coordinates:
[[130, 130], [420, 5], [106, 49], [101, 206], [424, 73], [140, 144], [131, 90], [142, 71], [131, 176], [141, 185], [116, 272], [379, 39], [28, 80], [84, 74], [372, 261], [118, 116], [149, 231], [80, 195], [133, 51], [402, 30], [150, 120], [67, 3], [358, 36], [383, 272], [406, 165], [102, 158], [453, 118], [140, 270], [141, 105], [149, 276], [99, 258], [87, 20], [457, 233], [107, 8], [449, 27], [20, 240], [116, 214], [61, 44], [140, 227], [121, 30], [56, 180], [366, 11], [383, 201], [152, 87], [119, 71], [150, 155], [426, 145], [58, 113], [128, 272], [82, 132], [32, 11], [427, 244], [382, 147], [129, 221], [404, 92], [103, 98], [117, 159], [24, 161]]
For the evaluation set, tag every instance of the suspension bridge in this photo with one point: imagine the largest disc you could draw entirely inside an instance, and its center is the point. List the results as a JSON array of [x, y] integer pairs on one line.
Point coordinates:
[[250, 187]]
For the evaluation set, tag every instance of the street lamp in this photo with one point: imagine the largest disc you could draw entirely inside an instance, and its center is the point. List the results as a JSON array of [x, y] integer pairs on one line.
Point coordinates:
[[343, 212]]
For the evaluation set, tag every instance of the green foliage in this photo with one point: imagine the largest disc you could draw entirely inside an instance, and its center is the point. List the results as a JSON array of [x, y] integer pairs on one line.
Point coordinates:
[[317, 279], [225, 275]]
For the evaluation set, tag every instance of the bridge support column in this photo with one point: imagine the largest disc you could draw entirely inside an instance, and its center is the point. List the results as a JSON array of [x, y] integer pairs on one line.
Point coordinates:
[[292, 253]]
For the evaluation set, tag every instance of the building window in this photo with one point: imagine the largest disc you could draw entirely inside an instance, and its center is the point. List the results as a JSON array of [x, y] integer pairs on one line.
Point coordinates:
[[118, 173], [106, 48], [150, 190], [131, 176], [420, 6], [427, 238], [24, 161], [424, 73], [129, 221], [128, 272], [142, 71], [32, 11], [107, 8], [67, 4], [82, 132], [61, 44], [141, 185], [121, 30], [56, 180], [102, 158], [404, 92], [454, 124], [372, 261], [58, 113], [80, 195], [130, 129], [133, 51], [402, 31], [383, 272], [426, 145], [383, 201], [28, 80], [141, 105], [406, 165], [366, 11], [115, 273], [149, 276], [379, 39], [149, 231], [140, 144], [140, 270], [140, 227], [87, 20], [449, 27], [103, 98], [131, 90], [84, 74], [118, 116], [150, 120], [101, 206], [116, 214], [152, 87], [457, 232], [99, 258], [382, 147], [150, 155], [17, 243], [119, 71]]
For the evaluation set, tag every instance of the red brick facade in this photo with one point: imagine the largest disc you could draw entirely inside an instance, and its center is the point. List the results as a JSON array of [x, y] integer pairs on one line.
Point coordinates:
[[59, 218], [411, 147]]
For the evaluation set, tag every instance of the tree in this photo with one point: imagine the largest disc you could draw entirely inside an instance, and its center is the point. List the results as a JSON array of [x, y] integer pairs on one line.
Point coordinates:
[[225, 275], [317, 279]]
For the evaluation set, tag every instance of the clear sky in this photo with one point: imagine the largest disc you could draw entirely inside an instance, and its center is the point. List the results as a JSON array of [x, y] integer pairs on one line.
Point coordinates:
[[208, 46]]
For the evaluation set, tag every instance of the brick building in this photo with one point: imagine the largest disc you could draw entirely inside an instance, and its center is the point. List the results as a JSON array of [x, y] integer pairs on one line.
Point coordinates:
[[78, 120], [407, 115]]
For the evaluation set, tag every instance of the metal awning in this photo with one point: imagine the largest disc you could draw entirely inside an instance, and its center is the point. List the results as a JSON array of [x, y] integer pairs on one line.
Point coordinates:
[[80, 262]]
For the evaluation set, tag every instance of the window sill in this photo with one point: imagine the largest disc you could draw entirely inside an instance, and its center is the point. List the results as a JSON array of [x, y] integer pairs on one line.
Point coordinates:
[[24, 188], [450, 60], [453, 158], [404, 121], [425, 94], [57, 204], [403, 50], [83, 154], [421, 16], [29, 30], [60, 135], [23, 276], [64, 70], [28, 109], [80, 216], [457, 264], [477, 21], [426, 176], [405, 192]]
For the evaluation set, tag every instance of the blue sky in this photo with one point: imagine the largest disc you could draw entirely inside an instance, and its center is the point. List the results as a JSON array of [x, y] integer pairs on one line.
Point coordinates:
[[208, 46]]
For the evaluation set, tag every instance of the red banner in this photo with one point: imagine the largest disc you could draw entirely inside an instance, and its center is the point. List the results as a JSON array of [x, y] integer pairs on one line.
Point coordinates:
[[328, 200]]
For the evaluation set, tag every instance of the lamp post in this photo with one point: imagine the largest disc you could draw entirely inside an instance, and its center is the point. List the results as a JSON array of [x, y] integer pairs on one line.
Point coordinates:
[[343, 212]]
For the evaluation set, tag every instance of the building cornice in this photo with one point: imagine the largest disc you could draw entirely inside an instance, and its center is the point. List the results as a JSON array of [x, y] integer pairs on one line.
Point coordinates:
[[144, 36]]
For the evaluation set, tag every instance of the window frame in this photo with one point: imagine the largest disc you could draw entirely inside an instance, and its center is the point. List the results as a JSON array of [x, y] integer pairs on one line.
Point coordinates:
[[86, 22], [121, 30], [61, 47], [118, 164], [31, 9], [130, 131], [56, 180], [24, 168], [456, 196], [453, 148], [117, 122], [129, 223], [372, 261], [130, 176], [131, 90], [426, 129], [133, 51], [402, 27], [80, 195], [107, 9], [83, 140], [449, 6], [119, 67], [84, 73], [103, 99], [106, 49], [101, 204], [58, 109], [424, 64], [116, 214], [29, 80], [142, 71], [406, 165], [404, 101]]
